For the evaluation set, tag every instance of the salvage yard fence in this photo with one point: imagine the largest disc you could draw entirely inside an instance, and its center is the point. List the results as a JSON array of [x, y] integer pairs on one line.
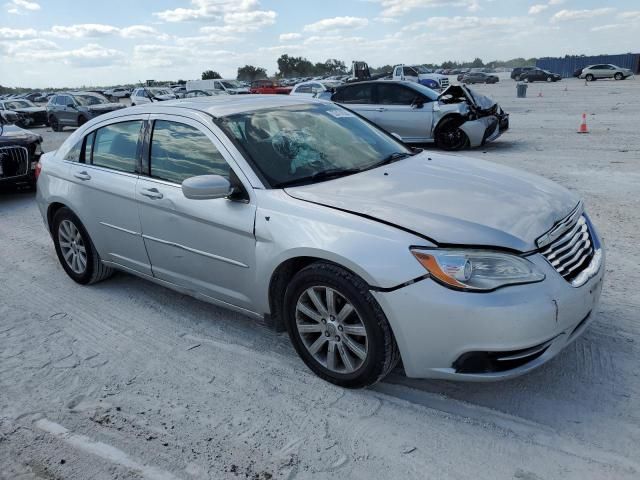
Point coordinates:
[[565, 66]]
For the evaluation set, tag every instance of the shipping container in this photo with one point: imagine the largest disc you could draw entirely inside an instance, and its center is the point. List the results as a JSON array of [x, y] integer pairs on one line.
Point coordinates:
[[565, 66]]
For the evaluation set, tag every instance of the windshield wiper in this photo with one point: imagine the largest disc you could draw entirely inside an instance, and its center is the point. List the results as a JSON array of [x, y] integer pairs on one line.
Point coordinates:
[[393, 157], [319, 176]]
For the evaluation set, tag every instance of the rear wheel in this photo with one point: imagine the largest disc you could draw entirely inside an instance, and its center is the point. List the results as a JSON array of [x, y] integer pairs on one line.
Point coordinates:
[[526, 79], [517, 78], [590, 77], [75, 250], [55, 124], [338, 328], [449, 135]]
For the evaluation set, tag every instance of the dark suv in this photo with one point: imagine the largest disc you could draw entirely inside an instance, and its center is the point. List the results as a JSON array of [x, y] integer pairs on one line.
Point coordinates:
[[517, 72], [20, 151], [72, 109]]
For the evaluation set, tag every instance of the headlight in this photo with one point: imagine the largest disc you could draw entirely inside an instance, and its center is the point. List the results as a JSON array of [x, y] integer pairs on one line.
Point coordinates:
[[476, 270], [38, 150]]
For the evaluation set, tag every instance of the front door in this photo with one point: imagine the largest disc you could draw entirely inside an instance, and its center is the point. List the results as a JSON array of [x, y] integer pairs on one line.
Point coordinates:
[[398, 112], [207, 246]]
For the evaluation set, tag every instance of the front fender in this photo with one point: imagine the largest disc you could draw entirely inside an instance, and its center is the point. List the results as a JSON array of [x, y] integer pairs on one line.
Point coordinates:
[[288, 228]]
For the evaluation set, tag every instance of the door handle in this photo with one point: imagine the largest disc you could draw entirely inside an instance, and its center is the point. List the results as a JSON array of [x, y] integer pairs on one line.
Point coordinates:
[[82, 175], [152, 193]]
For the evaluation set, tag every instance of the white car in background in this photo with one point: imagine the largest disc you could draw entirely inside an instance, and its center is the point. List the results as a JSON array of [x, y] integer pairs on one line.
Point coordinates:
[[143, 95], [605, 70], [314, 88], [119, 92]]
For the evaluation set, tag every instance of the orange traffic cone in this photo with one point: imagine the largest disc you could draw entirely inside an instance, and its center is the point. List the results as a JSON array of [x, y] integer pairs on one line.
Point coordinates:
[[583, 126]]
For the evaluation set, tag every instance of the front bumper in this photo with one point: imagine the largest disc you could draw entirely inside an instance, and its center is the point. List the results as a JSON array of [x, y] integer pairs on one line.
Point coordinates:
[[435, 327]]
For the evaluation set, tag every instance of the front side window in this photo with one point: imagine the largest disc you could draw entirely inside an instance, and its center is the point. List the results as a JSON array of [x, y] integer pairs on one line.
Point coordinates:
[[306, 143], [116, 146], [180, 151], [390, 94]]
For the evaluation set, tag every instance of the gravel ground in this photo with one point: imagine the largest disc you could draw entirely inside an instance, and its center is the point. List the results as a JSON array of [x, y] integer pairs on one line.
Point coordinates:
[[126, 379]]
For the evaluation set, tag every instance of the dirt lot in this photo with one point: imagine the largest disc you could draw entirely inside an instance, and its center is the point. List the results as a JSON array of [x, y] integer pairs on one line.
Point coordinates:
[[126, 379]]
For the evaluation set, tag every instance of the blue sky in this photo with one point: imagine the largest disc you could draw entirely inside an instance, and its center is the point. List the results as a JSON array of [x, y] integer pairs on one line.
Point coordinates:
[[82, 43]]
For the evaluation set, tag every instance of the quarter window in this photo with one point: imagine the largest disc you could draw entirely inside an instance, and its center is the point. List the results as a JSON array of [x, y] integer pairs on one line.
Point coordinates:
[[179, 151], [116, 146]]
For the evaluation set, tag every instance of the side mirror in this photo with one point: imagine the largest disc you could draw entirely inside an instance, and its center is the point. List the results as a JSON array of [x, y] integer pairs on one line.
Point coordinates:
[[417, 103], [206, 187], [70, 105]]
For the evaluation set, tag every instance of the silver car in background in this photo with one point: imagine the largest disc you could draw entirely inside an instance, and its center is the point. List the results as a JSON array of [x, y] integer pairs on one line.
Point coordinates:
[[605, 70], [299, 212], [455, 119]]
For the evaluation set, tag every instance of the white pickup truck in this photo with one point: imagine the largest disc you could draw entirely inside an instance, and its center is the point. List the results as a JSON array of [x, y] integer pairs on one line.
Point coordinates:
[[224, 85], [422, 75]]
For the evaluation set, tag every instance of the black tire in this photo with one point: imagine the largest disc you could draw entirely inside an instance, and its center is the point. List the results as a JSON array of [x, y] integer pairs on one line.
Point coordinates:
[[133, 104], [449, 136], [95, 270], [517, 78], [618, 76], [81, 120], [590, 77], [382, 350], [55, 124], [526, 80], [549, 79]]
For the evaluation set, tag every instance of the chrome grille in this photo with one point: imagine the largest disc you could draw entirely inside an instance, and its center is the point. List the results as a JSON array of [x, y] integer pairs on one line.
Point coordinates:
[[444, 83], [14, 162], [572, 251]]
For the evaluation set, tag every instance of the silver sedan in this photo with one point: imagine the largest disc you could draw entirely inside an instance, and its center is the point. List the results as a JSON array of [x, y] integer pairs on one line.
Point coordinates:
[[299, 212]]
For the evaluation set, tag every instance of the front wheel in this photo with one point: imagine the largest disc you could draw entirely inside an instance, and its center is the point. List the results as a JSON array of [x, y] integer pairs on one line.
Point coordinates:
[[526, 80], [549, 79], [618, 76], [449, 135], [55, 124], [338, 328], [75, 250]]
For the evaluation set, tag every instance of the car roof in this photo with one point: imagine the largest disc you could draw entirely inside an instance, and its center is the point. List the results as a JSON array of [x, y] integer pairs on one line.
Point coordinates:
[[223, 105]]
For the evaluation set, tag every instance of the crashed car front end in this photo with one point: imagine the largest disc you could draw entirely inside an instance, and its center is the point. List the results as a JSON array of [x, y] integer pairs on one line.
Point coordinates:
[[20, 151], [482, 119]]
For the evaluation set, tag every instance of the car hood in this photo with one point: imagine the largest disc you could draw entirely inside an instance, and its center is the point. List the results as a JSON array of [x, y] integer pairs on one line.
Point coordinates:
[[30, 110], [450, 200], [105, 107], [13, 135], [462, 93]]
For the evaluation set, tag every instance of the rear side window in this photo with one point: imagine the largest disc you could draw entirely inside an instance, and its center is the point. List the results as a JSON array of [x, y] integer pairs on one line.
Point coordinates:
[[362, 93], [179, 151], [304, 89], [116, 146]]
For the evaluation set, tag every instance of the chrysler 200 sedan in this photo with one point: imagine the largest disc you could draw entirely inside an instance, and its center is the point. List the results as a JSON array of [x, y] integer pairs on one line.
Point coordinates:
[[300, 212]]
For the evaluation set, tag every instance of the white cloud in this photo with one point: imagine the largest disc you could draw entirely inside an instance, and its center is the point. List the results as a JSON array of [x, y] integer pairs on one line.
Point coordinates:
[[538, 8], [17, 33], [611, 26], [83, 30], [206, 10], [569, 15], [20, 7], [630, 15], [395, 8], [142, 31], [26, 48], [286, 37], [41, 50], [464, 24], [336, 23]]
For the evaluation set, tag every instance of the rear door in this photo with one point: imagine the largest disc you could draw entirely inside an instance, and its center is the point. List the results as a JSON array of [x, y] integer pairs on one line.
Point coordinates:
[[398, 112], [66, 115], [206, 246], [103, 186]]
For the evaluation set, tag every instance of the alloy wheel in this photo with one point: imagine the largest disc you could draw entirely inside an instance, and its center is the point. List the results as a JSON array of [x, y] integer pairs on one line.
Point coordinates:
[[72, 247], [331, 329]]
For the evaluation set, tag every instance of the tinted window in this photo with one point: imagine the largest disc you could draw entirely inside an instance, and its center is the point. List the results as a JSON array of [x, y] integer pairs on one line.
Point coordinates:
[[179, 151], [88, 147], [362, 93], [116, 146], [395, 95], [304, 89]]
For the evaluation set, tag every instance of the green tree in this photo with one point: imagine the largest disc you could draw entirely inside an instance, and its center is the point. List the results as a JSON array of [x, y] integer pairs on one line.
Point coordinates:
[[477, 63], [210, 75], [250, 73]]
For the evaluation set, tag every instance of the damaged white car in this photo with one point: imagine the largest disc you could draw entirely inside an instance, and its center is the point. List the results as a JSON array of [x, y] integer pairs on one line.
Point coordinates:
[[454, 119]]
